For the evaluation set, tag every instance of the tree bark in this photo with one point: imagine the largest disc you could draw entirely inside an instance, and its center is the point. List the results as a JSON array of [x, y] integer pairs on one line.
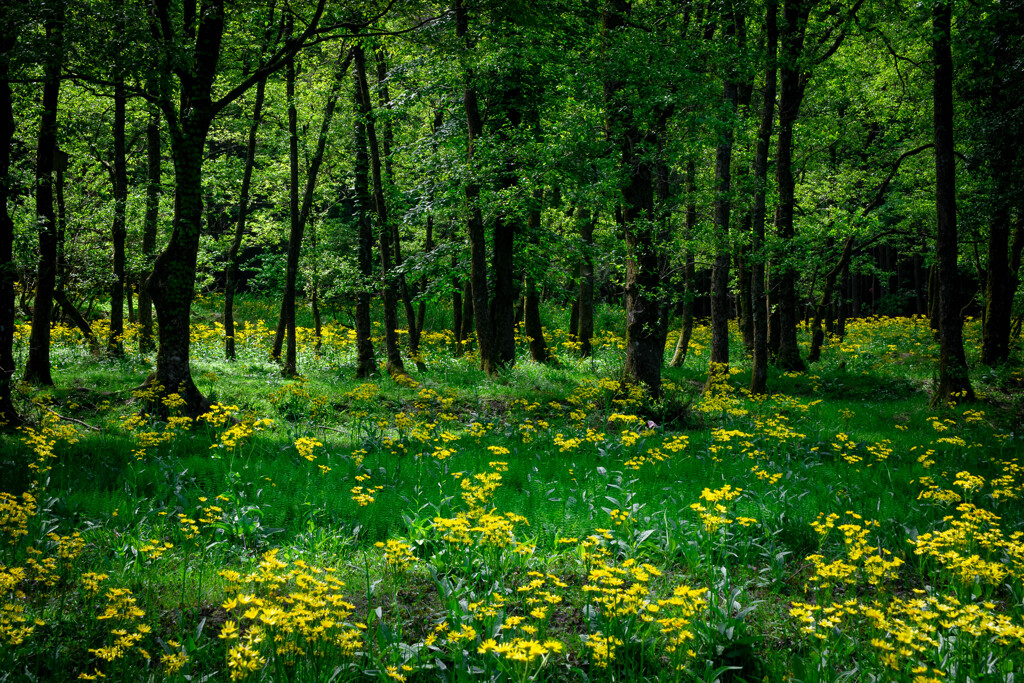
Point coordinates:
[[1001, 280], [485, 334], [954, 381], [287, 326], [37, 364], [791, 93]]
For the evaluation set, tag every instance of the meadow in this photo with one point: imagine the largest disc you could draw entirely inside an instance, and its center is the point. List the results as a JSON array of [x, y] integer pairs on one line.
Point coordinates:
[[548, 524]]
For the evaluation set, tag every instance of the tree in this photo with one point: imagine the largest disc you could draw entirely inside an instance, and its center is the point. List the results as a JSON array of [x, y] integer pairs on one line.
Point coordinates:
[[395, 366], [953, 374], [719, 362], [9, 417], [645, 320], [231, 269], [759, 305], [37, 364]]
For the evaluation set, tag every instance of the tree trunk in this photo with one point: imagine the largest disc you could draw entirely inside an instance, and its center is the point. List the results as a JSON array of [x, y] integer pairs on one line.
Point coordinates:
[[791, 93], [585, 333], [394, 358], [719, 366], [758, 299], [366, 363], [645, 333], [149, 229], [115, 343], [172, 282], [954, 382], [531, 308], [9, 417], [1001, 281], [37, 364], [689, 266], [428, 246], [468, 324], [300, 212], [821, 310], [287, 326], [231, 271], [386, 140], [486, 340]]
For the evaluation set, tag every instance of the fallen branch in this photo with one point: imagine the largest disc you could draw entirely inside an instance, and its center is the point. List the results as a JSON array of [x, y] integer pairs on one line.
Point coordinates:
[[70, 419]]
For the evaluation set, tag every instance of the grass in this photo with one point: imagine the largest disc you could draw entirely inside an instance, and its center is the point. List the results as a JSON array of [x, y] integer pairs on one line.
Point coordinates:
[[545, 524]]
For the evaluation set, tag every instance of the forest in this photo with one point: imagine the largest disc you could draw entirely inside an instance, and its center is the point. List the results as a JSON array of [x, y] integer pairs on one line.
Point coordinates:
[[511, 340]]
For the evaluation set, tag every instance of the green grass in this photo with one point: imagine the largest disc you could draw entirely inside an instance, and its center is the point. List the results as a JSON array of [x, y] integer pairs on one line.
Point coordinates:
[[873, 388]]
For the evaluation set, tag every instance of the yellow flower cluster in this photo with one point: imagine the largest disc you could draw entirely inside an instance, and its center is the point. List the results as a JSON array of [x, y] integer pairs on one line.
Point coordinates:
[[293, 613], [863, 560], [713, 516]]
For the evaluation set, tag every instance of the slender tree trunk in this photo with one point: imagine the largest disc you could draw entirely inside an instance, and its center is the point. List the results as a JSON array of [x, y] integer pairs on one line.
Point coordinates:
[[795, 13], [477, 237], [290, 368], [719, 366], [314, 294], [531, 309], [231, 271], [386, 141], [428, 246], [585, 334], [689, 266], [821, 310], [394, 358], [300, 212], [149, 229], [954, 380], [115, 343], [366, 363], [9, 417], [37, 364]]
